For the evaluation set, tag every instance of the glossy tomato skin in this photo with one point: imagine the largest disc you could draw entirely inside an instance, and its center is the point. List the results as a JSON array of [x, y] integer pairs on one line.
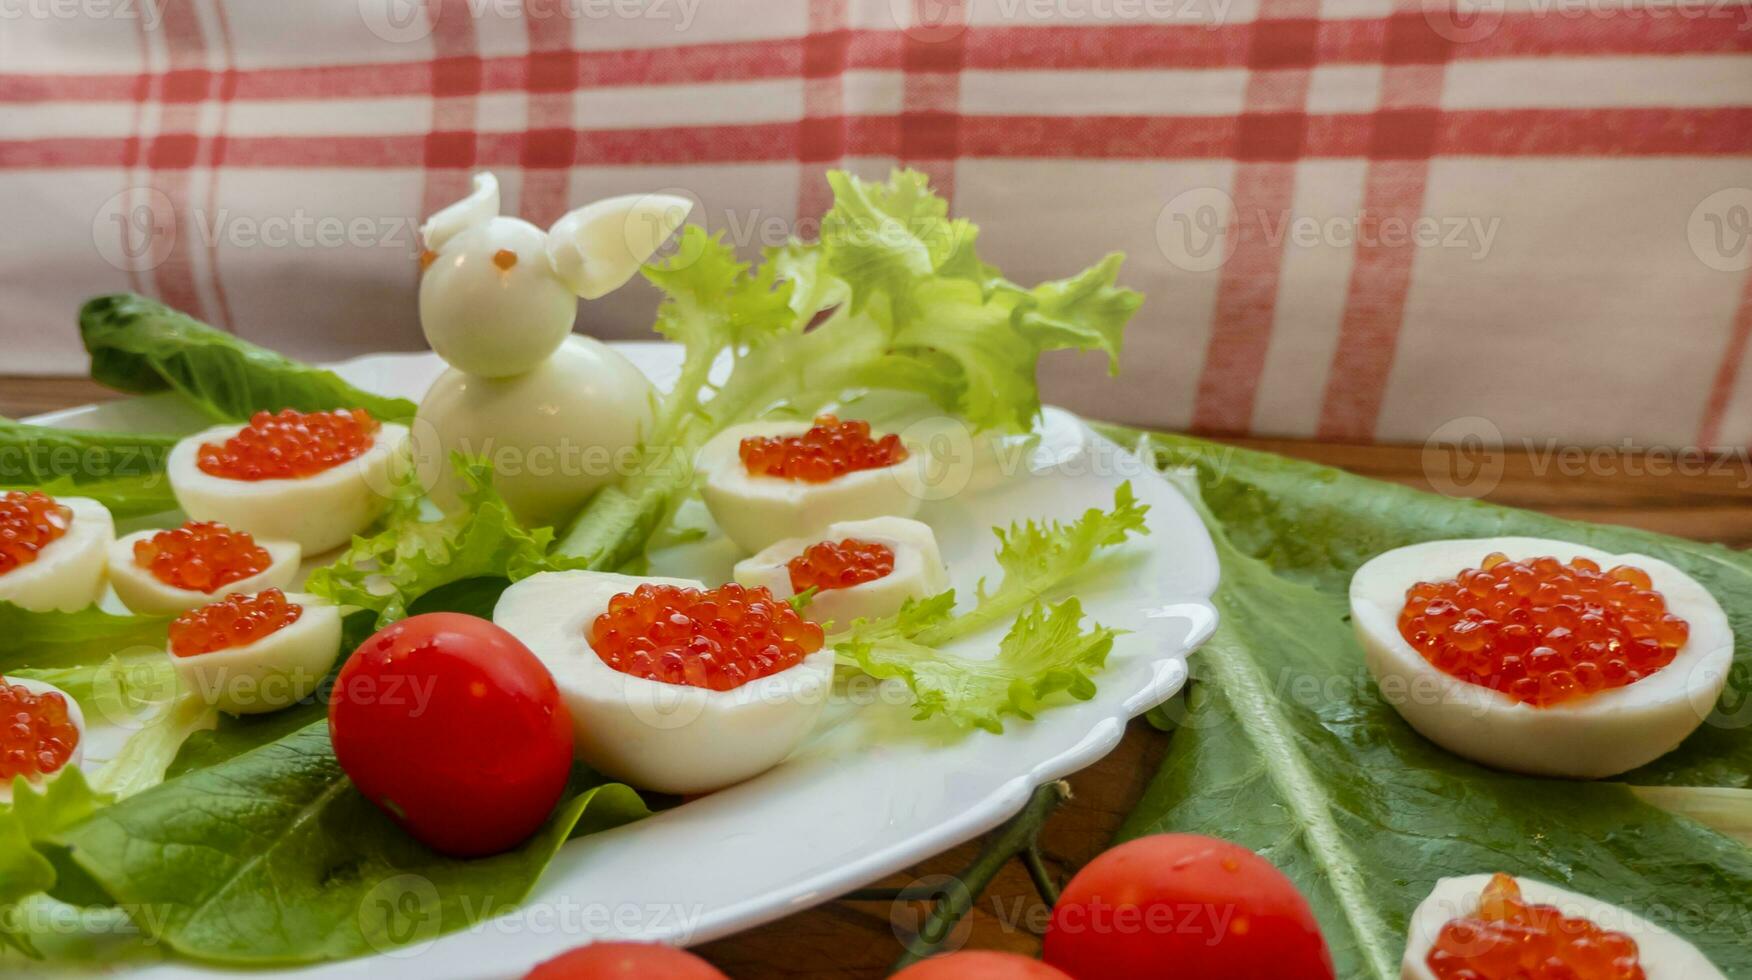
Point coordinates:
[[1183, 905], [980, 965], [452, 727], [625, 961]]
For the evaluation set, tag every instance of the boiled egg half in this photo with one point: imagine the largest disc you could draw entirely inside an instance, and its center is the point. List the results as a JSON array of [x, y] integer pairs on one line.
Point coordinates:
[[315, 479], [1542, 656], [162, 573], [55, 553], [52, 738], [1458, 923], [254, 653], [686, 712], [767, 481], [860, 569]]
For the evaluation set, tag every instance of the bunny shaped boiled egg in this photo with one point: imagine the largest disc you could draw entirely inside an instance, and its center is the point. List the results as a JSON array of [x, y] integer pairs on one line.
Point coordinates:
[[499, 295], [555, 413]]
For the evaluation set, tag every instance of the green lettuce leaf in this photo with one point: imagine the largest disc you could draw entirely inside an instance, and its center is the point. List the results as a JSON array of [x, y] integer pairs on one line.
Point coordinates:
[[1047, 649], [35, 816], [891, 297], [1284, 744], [89, 637], [140, 346], [412, 556], [272, 858], [123, 471]]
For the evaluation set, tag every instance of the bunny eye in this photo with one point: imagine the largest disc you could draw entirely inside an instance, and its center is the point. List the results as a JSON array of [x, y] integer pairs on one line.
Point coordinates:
[[505, 258], [427, 258]]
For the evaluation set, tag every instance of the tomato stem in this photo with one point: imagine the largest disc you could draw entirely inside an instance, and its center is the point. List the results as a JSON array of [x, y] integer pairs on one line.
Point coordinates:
[[1017, 838]]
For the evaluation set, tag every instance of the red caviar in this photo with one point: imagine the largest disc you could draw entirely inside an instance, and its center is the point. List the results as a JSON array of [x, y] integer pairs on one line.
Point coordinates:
[[29, 522], [37, 734], [713, 638], [290, 444], [1507, 938], [830, 448], [840, 565], [233, 621], [1543, 632], [201, 556]]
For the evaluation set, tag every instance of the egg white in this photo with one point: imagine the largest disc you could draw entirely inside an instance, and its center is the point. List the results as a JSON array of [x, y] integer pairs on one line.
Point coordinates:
[[918, 570], [1589, 738], [755, 511], [1664, 956], [144, 593], [671, 738], [76, 716], [68, 573], [273, 672], [318, 512], [488, 320]]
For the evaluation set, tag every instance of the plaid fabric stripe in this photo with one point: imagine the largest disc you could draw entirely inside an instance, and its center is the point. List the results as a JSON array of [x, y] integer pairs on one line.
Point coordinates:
[[1066, 127]]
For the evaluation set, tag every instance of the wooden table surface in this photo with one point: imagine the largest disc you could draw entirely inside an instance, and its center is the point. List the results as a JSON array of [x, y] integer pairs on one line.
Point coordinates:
[[1698, 498]]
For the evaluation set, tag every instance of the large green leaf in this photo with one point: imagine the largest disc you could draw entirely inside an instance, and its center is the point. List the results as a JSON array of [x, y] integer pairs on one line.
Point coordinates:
[[89, 637], [121, 470], [139, 345], [1285, 745], [273, 858]]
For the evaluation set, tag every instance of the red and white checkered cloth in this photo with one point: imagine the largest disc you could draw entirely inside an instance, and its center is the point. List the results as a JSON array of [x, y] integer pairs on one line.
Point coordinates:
[[1353, 218]]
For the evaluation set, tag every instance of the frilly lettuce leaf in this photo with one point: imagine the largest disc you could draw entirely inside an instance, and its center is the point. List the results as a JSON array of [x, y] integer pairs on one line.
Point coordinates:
[[411, 556], [139, 345], [892, 296], [1047, 649]]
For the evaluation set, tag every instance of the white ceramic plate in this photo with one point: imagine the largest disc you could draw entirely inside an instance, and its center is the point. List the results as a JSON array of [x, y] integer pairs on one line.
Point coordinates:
[[873, 791]]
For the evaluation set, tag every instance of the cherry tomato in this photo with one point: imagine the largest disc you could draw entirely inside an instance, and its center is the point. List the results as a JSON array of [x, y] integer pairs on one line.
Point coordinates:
[[980, 965], [636, 961], [1186, 906], [455, 729]]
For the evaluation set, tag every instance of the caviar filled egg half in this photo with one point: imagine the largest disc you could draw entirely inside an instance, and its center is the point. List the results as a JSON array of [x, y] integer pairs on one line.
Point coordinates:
[[43, 732], [253, 653], [858, 569], [53, 550], [162, 573], [766, 481], [672, 686], [311, 478], [1484, 927], [1541, 656]]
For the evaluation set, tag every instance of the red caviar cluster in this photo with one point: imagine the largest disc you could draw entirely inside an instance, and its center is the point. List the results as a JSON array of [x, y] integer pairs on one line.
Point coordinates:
[[289, 445], [1543, 632], [712, 638], [830, 448], [1507, 937], [233, 621], [37, 734], [29, 522], [202, 556], [840, 565]]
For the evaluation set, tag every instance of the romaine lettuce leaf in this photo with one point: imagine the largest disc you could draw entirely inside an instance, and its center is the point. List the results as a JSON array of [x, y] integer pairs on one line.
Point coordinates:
[[123, 471], [891, 297], [1047, 650], [139, 345], [87, 638], [272, 858]]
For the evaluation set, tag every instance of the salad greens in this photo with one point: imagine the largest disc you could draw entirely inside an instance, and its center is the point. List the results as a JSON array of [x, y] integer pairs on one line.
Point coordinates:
[[1046, 649], [87, 638], [272, 857], [124, 471], [892, 297], [139, 345], [1284, 744]]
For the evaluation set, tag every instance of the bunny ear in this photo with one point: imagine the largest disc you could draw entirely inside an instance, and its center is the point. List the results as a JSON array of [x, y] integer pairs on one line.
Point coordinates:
[[599, 246], [482, 204]]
